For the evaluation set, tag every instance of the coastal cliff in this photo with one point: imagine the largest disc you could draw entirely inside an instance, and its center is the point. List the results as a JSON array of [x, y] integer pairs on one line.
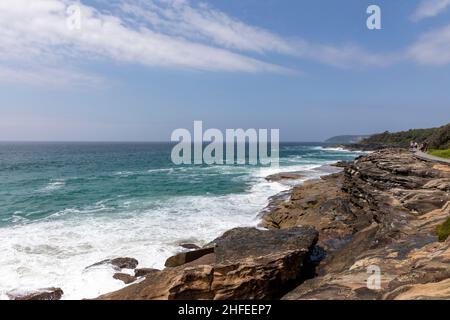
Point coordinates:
[[380, 213]]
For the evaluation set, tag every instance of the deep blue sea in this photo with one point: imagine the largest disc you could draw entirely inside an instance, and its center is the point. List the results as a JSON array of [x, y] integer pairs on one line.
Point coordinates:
[[65, 206]]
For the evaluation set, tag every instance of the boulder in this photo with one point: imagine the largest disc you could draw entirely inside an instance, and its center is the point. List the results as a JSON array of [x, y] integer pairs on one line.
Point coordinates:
[[126, 278], [118, 263], [247, 263], [124, 263], [261, 245], [40, 294], [258, 264]]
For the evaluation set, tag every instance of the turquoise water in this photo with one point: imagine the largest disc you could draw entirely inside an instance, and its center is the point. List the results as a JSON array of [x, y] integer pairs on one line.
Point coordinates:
[[38, 180], [64, 206]]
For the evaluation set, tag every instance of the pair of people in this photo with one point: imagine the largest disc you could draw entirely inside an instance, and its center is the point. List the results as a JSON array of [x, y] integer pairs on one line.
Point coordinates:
[[415, 146]]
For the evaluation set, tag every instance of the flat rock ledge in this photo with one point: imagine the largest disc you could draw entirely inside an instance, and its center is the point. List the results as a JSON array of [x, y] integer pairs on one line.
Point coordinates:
[[283, 176], [244, 263]]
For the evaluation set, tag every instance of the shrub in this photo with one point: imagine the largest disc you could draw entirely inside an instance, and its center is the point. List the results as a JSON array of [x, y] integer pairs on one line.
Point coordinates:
[[443, 230]]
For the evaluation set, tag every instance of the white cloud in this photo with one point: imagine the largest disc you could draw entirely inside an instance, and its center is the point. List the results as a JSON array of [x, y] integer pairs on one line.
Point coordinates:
[[432, 48], [181, 18], [44, 76], [36, 31], [430, 8], [161, 33], [203, 23]]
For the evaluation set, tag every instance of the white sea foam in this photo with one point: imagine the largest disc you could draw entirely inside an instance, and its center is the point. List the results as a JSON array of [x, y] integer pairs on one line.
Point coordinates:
[[339, 149], [54, 185], [124, 173], [160, 170], [55, 251]]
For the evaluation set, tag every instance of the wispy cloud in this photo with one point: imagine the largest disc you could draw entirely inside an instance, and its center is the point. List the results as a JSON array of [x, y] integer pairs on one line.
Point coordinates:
[[44, 76], [432, 48], [430, 8], [36, 31], [206, 24], [37, 46]]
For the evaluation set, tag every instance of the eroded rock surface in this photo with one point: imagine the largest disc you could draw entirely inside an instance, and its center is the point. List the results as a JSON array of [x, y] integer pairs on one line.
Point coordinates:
[[245, 263], [185, 257], [124, 277], [381, 213], [141, 272]]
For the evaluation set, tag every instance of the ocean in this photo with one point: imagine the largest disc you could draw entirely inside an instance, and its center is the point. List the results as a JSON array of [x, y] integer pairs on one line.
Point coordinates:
[[65, 206]]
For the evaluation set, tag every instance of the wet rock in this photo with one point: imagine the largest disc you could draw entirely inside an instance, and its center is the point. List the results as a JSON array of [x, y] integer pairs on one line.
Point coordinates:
[[124, 263], [284, 176], [40, 294], [118, 263], [126, 278]]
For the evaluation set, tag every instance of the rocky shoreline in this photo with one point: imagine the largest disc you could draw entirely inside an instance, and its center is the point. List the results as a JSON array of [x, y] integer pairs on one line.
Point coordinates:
[[379, 215], [367, 232], [327, 240]]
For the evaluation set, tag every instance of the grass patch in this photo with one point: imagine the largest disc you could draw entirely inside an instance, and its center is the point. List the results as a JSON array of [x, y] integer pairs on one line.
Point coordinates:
[[440, 153], [443, 230]]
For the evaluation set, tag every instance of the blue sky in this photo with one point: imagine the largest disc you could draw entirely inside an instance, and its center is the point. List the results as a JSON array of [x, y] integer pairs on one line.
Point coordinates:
[[137, 70]]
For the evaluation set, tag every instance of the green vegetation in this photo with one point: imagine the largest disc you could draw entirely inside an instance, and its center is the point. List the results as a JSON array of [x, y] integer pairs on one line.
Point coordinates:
[[436, 138], [440, 139], [443, 230], [347, 139], [440, 153], [399, 139]]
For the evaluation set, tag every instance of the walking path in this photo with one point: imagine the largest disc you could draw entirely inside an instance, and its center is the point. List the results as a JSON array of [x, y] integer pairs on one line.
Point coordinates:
[[429, 157]]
